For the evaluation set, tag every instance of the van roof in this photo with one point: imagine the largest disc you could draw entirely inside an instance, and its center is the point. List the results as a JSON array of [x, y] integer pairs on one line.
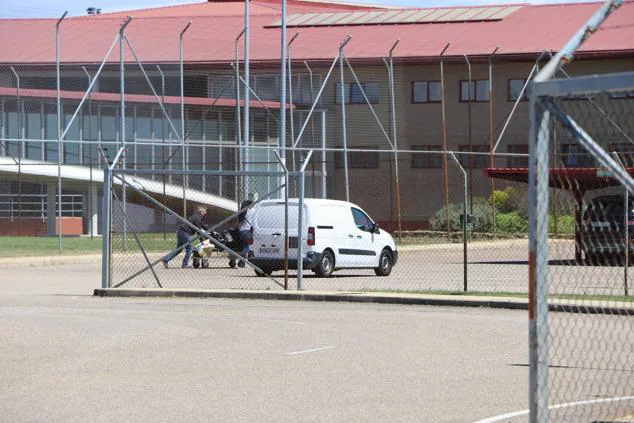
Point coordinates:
[[315, 201]]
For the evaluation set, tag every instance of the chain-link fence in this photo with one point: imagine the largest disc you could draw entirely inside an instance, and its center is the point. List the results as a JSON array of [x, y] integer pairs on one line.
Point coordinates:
[[583, 132]]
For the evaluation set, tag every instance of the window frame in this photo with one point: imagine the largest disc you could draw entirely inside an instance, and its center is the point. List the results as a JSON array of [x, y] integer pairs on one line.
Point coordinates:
[[422, 157], [524, 96], [348, 93], [475, 148], [474, 91], [581, 156], [519, 162], [427, 91], [370, 160]]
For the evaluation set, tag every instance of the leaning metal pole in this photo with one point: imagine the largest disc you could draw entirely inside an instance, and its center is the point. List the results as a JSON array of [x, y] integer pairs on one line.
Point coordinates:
[[182, 104], [59, 135]]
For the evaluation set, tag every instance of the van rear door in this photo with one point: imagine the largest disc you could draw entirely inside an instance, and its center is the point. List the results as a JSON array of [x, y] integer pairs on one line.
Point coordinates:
[[268, 231]]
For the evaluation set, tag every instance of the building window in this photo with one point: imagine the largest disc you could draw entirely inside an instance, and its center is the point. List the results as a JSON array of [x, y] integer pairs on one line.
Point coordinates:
[[426, 160], [358, 159], [517, 161], [475, 161], [353, 93], [574, 155], [479, 90], [515, 89], [426, 92]]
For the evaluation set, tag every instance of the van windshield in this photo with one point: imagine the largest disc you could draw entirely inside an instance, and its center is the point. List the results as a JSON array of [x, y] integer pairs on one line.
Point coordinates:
[[271, 216]]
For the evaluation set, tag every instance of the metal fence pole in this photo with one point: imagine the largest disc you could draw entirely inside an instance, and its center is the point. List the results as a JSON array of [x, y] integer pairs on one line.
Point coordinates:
[[59, 134], [105, 227], [343, 118], [282, 126], [300, 223], [122, 125], [394, 142], [491, 137], [538, 262], [445, 163], [247, 81], [464, 224], [20, 112], [323, 155], [290, 91], [163, 221], [90, 187], [240, 154], [470, 92], [182, 104]]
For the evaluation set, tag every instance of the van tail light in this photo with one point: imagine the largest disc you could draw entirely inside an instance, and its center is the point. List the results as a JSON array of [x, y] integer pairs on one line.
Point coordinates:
[[251, 236], [311, 235]]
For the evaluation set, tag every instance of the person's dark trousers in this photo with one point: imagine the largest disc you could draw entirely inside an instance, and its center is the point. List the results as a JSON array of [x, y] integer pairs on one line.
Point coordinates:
[[181, 239], [244, 237]]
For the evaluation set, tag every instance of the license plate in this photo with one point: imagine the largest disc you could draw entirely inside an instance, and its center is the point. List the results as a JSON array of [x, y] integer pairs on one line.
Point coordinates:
[[269, 250], [600, 224]]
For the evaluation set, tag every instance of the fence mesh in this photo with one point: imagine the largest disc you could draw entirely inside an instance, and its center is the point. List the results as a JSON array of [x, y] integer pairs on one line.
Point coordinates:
[[588, 355]]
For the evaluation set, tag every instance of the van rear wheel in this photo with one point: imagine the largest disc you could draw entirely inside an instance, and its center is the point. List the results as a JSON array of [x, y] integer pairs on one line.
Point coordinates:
[[385, 264], [326, 265]]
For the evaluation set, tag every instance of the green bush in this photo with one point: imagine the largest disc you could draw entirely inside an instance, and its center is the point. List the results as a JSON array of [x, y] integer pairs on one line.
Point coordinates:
[[481, 210], [509, 200], [565, 224], [511, 223]]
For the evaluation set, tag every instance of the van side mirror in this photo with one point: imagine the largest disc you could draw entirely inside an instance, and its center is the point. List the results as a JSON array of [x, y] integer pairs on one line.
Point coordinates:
[[375, 228]]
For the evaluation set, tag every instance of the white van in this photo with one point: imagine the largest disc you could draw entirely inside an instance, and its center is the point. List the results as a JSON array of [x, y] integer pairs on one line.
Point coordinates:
[[337, 235]]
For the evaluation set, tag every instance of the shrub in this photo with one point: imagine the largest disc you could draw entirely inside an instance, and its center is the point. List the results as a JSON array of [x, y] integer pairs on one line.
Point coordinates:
[[511, 223], [565, 224]]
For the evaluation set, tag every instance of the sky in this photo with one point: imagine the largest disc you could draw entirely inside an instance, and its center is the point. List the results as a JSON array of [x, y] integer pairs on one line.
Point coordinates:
[[54, 9]]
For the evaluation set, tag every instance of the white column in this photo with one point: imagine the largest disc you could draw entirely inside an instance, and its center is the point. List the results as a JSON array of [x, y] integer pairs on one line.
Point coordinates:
[[51, 202], [93, 223]]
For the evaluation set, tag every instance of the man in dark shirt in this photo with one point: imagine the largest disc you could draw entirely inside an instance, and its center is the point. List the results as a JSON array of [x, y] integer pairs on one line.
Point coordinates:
[[183, 236]]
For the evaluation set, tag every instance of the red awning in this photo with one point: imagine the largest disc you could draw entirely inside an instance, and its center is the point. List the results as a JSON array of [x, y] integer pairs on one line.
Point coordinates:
[[137, 98], [580, 179]]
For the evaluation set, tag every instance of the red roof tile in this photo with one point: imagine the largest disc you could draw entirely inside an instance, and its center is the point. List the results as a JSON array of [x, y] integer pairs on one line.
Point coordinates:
[[210, 38]]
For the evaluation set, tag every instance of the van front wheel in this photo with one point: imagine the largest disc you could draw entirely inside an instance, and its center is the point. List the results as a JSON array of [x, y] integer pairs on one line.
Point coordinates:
[[326, 265], [385, 264]]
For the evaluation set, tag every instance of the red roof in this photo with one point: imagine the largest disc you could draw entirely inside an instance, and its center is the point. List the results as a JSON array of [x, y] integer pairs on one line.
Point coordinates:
[[154, 33], [137, 98]]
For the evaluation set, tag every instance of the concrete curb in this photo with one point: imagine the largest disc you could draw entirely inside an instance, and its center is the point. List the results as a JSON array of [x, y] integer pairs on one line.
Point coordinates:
[[35, 261], [358, 297]]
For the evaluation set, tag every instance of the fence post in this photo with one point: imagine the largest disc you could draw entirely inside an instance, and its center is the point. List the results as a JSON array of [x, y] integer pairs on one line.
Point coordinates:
[[538, 261], [182, 106], [105, 227], [300, 222], [343, 118], [59, 134]]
